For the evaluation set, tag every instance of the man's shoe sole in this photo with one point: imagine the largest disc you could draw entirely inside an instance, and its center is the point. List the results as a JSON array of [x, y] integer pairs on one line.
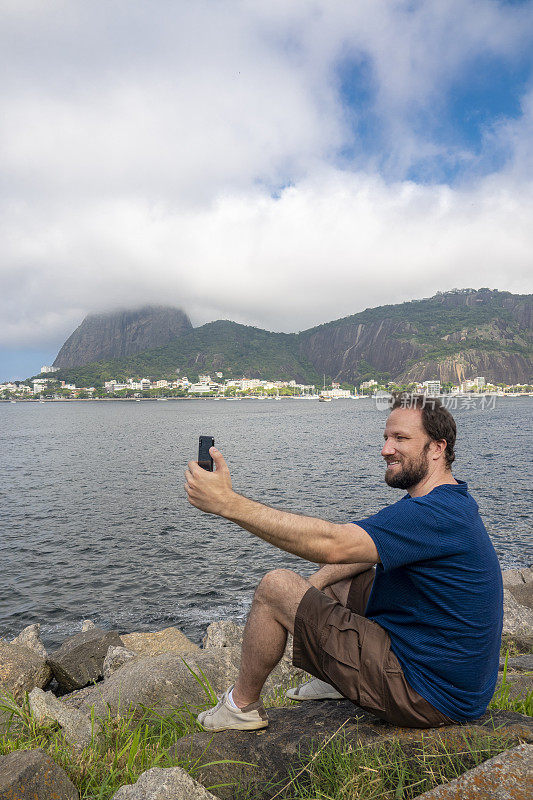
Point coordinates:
[[252, 727]]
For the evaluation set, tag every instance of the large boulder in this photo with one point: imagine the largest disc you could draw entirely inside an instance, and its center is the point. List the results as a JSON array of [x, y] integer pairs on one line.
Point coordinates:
[[517, 618], [519, 582], [21, 670], [80, 659], [508, 776], [223, 633], [296, 731], [75, 725], [152, 643], [514, 577], [167, 681], [115, 658], [33, 775], [30, 637], [164, 784]]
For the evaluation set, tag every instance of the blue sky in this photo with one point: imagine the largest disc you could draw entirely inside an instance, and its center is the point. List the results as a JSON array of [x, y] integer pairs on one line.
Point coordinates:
[[277, 164]]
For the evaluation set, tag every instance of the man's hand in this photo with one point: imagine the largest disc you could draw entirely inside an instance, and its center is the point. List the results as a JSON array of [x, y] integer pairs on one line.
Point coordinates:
[[209, 491]]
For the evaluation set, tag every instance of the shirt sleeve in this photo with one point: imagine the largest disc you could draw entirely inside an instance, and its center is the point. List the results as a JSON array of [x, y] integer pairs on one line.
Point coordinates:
[[405, 533]]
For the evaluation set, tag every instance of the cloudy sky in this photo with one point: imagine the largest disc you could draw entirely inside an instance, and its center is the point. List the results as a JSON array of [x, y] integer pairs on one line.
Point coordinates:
[[276, 163]]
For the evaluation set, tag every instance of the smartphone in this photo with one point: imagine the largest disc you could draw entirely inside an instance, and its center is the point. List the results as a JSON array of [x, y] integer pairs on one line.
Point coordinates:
[[204, 459]]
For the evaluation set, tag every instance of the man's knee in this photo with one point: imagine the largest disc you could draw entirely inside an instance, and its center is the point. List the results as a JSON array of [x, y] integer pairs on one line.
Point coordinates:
[[275, 584]]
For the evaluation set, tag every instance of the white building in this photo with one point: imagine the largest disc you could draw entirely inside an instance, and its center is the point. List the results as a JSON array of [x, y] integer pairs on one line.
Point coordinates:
[[479, 382], [113, 386], [336, 393], [40, 385], [46, 369], [203, 388], [431, 388], [368, 384]]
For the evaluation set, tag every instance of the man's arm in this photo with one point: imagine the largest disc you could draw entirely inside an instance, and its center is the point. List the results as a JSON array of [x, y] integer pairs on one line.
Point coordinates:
[[308, 537], [333, 573]]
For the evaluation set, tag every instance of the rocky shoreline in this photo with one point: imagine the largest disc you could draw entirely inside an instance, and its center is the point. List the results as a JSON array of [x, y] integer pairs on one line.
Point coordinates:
[[95, 673]]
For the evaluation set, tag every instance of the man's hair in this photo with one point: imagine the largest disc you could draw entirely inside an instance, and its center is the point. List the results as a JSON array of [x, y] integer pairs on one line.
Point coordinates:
[[437, 421]]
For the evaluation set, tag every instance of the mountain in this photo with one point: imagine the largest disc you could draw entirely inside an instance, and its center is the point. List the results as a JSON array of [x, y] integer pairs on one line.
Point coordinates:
[[221, 346], [451, 336], [122, 333]]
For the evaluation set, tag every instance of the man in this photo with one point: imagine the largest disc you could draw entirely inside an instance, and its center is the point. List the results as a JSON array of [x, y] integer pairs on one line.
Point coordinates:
[[416, 640]]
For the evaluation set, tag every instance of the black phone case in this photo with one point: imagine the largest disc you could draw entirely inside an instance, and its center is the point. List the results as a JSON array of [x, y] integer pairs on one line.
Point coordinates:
[[204, 459]]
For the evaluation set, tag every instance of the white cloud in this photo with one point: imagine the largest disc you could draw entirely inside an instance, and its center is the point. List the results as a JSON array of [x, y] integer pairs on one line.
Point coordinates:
[[145, 147]]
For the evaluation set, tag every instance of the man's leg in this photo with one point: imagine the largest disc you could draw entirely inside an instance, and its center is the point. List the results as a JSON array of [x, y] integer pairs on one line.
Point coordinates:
[[271, 617]]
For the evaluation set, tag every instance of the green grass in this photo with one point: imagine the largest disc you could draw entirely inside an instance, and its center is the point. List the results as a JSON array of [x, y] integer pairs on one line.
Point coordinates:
[[393, 770], [504, 702], [130, 744], [127, 746]]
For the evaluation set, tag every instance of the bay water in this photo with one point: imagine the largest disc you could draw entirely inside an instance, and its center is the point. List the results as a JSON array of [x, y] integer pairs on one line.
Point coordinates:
[[95, 522]]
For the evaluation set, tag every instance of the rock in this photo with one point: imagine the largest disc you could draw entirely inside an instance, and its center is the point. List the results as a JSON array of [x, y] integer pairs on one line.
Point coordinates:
[[33, 775], [164, 784], [517, 618], [115, 334], [115, 658], [165, 682], [303, 728], [519, 582], [87, 625], [512, 577], [76, 727], [518, 663], [21, 670], [80, 659], [169, 640], [508, 776], [223, 633], [523, 594], [30, 638], [517, 644]]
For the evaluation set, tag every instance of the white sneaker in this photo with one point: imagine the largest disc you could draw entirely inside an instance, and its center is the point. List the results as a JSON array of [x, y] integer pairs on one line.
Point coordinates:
[[314, 689], [224, 717]]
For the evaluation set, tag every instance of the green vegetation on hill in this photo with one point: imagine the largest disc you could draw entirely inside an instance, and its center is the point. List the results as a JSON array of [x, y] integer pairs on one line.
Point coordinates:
[[222, 346]]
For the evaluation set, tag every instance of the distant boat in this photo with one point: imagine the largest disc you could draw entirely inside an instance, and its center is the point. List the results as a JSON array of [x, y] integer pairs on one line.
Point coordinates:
[[323, 397]]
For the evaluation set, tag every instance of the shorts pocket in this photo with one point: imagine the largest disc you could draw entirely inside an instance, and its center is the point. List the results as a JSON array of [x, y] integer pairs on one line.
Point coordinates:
[[343, 644], [340, 660], [374, 654]]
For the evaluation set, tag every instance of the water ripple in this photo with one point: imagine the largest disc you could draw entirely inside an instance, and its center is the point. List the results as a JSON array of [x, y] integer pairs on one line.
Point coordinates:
[[95, 523]]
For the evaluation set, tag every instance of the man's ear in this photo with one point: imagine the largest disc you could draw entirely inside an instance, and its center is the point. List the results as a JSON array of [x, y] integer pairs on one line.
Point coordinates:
[[439, 446]]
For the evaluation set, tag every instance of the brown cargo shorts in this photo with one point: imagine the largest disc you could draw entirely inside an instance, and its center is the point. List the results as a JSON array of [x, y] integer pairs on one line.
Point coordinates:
[[337, 644]]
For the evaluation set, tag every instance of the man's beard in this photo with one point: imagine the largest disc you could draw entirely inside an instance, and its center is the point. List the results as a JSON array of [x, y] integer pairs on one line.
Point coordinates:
[[409, 473]]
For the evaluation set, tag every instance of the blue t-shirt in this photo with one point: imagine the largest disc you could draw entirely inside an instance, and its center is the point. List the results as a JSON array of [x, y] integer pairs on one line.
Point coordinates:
[[438, 593]]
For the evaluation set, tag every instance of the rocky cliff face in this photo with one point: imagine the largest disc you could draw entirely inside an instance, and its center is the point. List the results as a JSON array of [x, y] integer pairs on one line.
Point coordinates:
[[101, 337], [451, 336]]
